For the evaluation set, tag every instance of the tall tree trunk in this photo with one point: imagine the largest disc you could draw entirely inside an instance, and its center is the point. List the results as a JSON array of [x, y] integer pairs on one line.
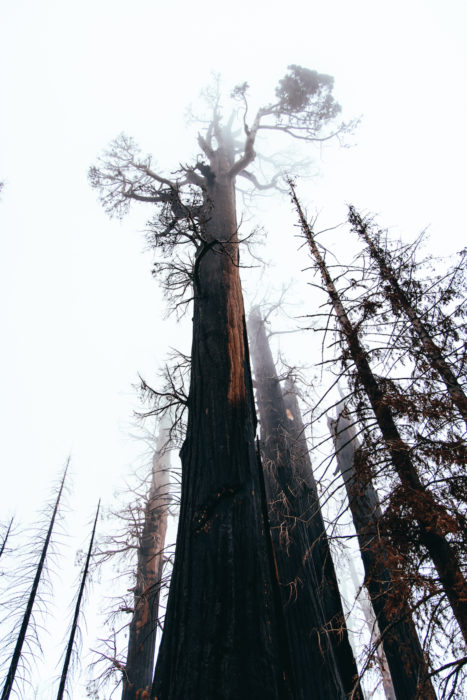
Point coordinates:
[[10, 678], [74, 624], [428, 514], [223, 633], [399, 636], [139, 667], [322, 659], [400, 299], [321, 553]]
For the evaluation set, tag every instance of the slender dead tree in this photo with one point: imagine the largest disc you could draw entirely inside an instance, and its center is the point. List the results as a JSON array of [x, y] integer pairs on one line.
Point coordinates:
[[430, 516], [389, 596], [400, 300], [372, 626], [222, 637], [139, 666], [75, 621], [5, 537], [15, 659], [310, 593]]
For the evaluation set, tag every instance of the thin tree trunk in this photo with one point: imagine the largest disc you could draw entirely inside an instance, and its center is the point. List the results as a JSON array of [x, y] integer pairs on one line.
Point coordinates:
[[399, 636], [139, 667], [7, 533], [427, 512], [10, 679], [322, 659], [74, 624], [432, 351], [223, 632], [372, 625]]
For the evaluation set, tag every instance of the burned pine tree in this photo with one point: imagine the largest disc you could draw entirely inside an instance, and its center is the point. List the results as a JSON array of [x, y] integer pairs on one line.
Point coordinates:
[[5, 536], [221, 638], [34, 594], [403, 302], [75, 621], [410, 309], [139, 666], [311, 600], [388, 592], [432, 520]]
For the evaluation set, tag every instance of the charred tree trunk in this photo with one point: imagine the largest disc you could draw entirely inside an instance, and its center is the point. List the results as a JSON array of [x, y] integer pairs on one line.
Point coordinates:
[[321, 553], [400, 300], [5, 539], [399, 636], [74, 624], [139, 667], [428, 514], [10, 678], [223, 634], [322, 659]]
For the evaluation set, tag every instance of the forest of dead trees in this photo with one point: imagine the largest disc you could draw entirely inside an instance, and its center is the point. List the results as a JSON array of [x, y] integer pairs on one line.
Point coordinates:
[[281, 537]]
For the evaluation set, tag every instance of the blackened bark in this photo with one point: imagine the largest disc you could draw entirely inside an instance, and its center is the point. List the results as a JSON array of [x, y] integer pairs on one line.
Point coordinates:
[[5, 539], [319, 544], [322, 660], [400, 298], [399, 636], [222, 633], [10, 678], [428, 514], [139, 667], [74, 624]]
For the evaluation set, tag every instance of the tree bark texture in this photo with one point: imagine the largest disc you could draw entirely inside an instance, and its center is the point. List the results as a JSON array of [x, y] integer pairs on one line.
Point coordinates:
[[428, 514], [224, 634], [399, 636], [322, 659], [139, 668]]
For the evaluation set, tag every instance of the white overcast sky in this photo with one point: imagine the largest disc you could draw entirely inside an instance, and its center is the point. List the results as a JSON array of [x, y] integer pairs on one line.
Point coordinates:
[[80, 313]]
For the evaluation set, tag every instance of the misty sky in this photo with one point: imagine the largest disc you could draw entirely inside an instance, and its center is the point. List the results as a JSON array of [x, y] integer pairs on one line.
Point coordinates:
[[81, 315]]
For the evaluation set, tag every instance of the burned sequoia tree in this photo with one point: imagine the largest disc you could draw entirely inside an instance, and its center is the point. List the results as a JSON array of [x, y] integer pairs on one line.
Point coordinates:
[[223, 635], [309, 588]]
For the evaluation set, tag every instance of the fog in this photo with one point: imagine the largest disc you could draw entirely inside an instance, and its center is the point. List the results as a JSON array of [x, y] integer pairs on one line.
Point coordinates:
[[82, 316]]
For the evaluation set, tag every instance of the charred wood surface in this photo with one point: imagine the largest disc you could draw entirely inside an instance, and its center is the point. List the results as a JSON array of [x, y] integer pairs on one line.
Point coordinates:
[[223, 628]]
